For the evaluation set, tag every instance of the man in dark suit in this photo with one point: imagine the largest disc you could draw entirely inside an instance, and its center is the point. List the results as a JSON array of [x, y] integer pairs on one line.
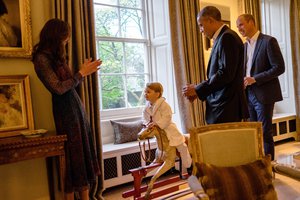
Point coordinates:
[[263, 64], [223, 90]]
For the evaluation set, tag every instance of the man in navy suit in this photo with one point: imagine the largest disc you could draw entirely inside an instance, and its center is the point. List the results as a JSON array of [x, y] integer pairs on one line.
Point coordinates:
[[263, 64], [223, 90]]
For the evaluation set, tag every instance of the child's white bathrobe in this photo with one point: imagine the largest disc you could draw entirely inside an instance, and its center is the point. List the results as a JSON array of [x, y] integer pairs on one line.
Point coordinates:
[[161, 114]]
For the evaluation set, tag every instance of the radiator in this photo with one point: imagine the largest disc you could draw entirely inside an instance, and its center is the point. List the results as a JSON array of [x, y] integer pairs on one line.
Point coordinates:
[[118, 163], [284, 127]]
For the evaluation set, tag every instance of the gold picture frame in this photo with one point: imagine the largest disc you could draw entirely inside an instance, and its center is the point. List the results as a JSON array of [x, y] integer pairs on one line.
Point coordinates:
[[17, 26], [15, 105]]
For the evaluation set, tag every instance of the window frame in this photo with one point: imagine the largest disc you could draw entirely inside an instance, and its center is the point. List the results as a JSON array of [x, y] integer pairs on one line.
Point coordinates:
[[118, 113]]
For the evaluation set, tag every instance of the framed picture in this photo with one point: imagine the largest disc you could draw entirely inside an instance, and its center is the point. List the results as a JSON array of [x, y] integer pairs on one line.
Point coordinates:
[[15, 105], [15, 28]]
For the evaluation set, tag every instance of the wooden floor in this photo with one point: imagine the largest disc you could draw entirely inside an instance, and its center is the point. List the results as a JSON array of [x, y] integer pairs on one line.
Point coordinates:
[[286, 188]]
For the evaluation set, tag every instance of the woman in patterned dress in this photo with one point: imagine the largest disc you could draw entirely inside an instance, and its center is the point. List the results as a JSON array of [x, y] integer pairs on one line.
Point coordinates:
[[50, 64]]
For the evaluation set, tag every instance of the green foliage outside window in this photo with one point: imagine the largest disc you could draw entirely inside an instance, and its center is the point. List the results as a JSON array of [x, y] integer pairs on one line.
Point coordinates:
[[122, 46]]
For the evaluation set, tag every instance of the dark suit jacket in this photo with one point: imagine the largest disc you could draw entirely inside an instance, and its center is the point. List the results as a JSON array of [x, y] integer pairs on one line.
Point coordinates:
[[223, 89], [267, 65]]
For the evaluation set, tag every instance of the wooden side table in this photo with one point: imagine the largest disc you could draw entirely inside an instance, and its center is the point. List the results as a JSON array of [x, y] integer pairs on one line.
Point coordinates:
[[19, 148]]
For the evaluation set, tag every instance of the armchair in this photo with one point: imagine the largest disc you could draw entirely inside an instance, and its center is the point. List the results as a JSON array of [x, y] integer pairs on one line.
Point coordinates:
[[228, 161]]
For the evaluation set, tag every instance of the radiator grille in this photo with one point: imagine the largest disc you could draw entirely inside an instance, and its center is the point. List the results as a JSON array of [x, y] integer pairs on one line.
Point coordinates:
[[282, 127], [130, 161], [110, 168], [274, 127], [292, 124]]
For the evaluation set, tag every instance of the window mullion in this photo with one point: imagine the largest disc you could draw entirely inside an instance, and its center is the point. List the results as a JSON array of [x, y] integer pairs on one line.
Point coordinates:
[[117, 39], [119, 18], [125, 75]]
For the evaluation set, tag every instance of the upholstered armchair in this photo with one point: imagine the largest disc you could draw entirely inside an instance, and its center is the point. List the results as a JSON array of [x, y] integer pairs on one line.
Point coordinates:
[[229, 162]]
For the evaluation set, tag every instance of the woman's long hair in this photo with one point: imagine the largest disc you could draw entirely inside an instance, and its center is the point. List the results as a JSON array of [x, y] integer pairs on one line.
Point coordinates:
[[52, 36], [3, 9]]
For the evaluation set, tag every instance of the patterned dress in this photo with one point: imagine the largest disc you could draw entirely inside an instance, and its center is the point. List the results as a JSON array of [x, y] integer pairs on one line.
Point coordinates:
[[81, 160]]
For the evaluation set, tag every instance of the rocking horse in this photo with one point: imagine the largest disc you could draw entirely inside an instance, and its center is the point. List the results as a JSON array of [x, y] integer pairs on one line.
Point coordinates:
[[165, 157]]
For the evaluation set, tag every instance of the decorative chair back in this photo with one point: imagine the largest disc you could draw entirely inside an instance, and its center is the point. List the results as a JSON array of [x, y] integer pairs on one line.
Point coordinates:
[[227, 144], [229, 162]]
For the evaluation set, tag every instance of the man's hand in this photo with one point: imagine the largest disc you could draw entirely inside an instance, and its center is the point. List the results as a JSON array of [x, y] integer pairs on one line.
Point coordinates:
[[248, 81], [189, 92], [192, 98]]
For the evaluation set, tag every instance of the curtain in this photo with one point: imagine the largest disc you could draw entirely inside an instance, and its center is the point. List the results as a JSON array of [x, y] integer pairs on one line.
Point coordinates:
[[253, 7], [80, 15], [295, 49], [188, 57]]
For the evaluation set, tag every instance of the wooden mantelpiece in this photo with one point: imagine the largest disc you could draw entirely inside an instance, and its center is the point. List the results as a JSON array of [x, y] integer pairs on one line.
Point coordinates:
[[19, 148]]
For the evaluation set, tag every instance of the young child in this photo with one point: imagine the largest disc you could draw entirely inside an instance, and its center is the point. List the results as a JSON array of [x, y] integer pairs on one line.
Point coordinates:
[[158, 112]]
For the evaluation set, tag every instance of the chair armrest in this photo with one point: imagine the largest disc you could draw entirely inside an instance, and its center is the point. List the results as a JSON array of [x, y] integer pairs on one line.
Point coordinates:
[[286, 170], [196, 188]]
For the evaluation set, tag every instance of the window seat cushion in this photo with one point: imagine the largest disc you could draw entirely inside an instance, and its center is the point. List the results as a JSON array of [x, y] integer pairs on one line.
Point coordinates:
[[126, 131], [119, 148]]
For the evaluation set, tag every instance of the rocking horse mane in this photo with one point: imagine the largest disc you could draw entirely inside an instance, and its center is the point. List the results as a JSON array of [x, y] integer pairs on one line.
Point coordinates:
[[148, 132], [161, 138]]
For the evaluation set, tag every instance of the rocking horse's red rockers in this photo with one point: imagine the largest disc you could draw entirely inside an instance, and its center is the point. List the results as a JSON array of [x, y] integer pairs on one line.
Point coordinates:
[[164, 159]]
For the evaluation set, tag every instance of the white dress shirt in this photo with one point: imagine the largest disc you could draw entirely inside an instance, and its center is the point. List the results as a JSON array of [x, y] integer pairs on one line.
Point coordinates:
[[216, 34], [251, 43]]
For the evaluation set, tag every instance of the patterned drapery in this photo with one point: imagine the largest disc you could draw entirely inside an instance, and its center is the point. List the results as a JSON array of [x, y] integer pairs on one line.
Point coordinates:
[[188, 58], [295, 49]]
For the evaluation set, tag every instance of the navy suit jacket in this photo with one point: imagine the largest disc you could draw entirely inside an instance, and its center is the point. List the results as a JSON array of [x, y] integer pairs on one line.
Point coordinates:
[[267, 65], [223, 90]]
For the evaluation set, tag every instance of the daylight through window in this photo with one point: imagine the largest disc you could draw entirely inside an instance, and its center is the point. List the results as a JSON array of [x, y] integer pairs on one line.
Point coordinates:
[[123, 45]]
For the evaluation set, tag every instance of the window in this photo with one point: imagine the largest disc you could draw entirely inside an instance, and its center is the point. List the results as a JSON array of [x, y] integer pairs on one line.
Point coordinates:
[[133, 40], [123, 45]]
